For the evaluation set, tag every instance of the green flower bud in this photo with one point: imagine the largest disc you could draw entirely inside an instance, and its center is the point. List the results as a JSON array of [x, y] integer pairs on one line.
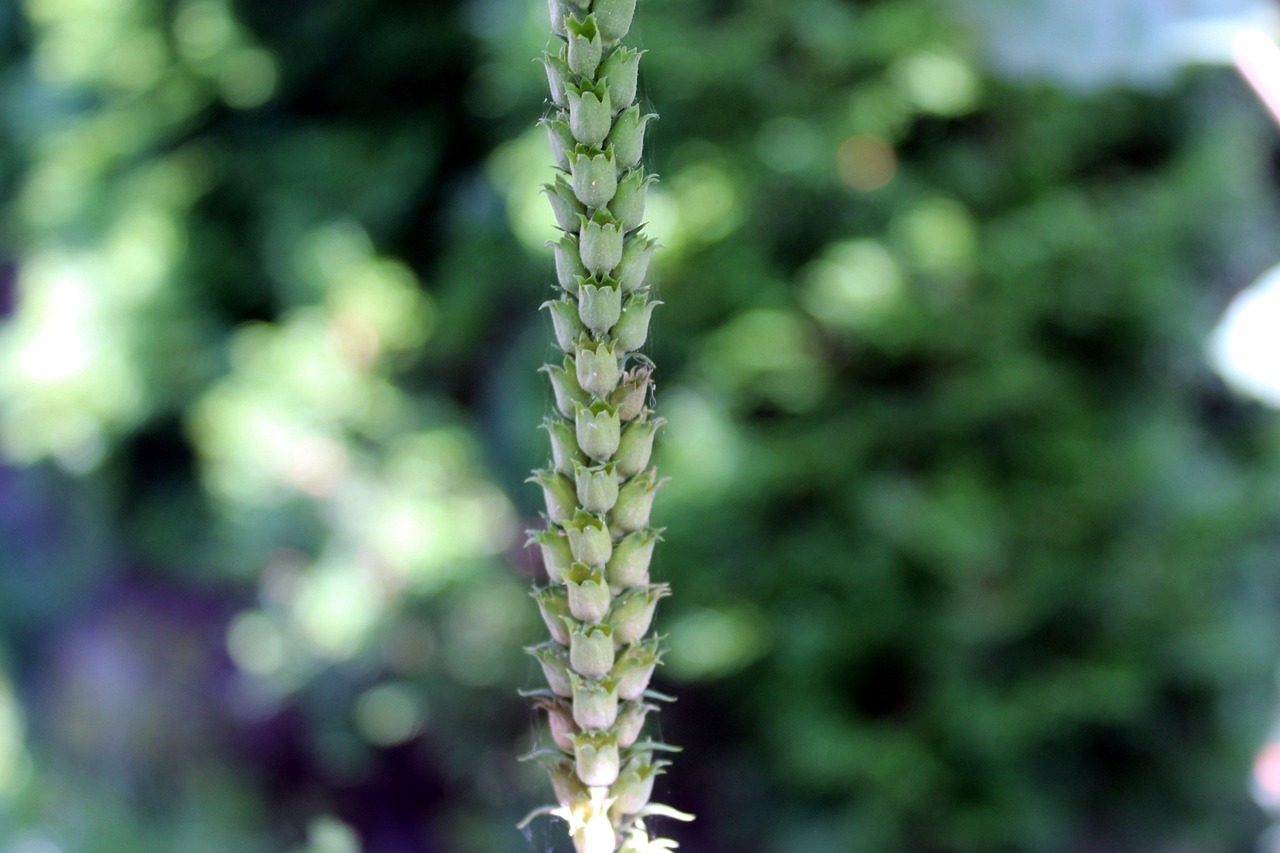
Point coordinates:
[[553, 604], [559, 718], [600, 240], [569, 790], [554, 659], [591, 652], [599, 306], [635, 447], [564, 320], [597, 486], [569, 266], [558, 76], [561, 139], [557, 556], [585, 46], [590, 115], [634, 669], [635, 784], [635, 501], [633, 325], [629, 565], [632, 612], [627, 137], [595, 703], [588, 593], [632, 393], [595, 835], [598, 436], [614, 17], [597, 372], [564, 204], [621, 72], [596, 758], [589, 540], [559, 493], [557, 17], [565, 455], [630, 722], [628, 200], [633, 265], [565, 387]]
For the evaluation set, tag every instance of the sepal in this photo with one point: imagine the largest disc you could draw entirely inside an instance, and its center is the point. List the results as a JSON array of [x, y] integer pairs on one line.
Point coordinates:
[[559, 718], [595, 703], [565, 387], [561, 139], [635, 501], [554, 659], [597, 486], [629, 564], [632, 393], [634, 669], [632, 329], [559, 494], [621, 72], [564, 204], [598, 436], [558, 76], [632, 613], [566, 323], [585, 46], [588, 594], [569, 266], [600, 240], [597, 372], [589, 540], [628, 201], [635, 447], [630, 722], [557, 556], [590, 115], [553, 604], [599, 305], [591, 651], [596, 758], [634, 787], [614, 17], [626, 140], [633, 263]]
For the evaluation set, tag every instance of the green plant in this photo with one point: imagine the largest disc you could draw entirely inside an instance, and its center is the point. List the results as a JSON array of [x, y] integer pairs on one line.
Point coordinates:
[[599, 603]]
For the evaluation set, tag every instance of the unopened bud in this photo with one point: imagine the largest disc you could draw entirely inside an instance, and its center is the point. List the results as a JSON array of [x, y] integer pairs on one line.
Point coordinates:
[[564, 204], [621, 71], [634, 669], [597, 486], [559, 719], [554, 659], [629, 565], [564, 384], [599, 307], [557, 556], [558, 76], [589, 115], [585, 46], [588, 593], [632, 329], [558, 492], [600, 238], [561, 139], [591, 652], [630, 722], [632, 393], [598, 431], [626, 140], [633, 265], [614, 17], [635, 784], [636, 446], [632, 612], [597, 372], [596, 757], [569, 266], [628, 201], [589, 539], [565, 322], [635, 501], [595, 703]]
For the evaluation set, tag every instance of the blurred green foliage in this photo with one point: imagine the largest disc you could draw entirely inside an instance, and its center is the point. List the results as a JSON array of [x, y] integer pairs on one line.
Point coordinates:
[[971, 552]]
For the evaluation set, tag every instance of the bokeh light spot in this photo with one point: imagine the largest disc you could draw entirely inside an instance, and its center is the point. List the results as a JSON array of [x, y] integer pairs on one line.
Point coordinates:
[[255, 644], [866, 163], [388, 714], [1244, 347], [707, 643], [853, 284], [939, 84]]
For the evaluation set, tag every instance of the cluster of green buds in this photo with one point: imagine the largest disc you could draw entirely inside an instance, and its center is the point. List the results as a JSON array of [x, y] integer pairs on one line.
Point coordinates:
[[598, 603]]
